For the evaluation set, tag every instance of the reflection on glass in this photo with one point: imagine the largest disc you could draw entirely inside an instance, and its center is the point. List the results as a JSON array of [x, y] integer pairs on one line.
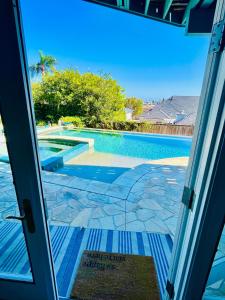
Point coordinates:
[[14, 261], [215, 288]]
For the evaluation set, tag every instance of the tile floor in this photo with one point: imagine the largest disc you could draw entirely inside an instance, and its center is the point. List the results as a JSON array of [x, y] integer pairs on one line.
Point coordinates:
[[145, 198]]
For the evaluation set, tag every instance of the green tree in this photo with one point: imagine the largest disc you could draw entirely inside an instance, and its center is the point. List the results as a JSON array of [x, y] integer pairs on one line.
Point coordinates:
[[135, 104], [45, 64], [69, 93]]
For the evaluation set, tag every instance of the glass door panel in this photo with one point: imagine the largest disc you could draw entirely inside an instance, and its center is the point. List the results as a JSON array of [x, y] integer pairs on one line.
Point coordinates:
[[26, 267], [215, 288], [14, 258]]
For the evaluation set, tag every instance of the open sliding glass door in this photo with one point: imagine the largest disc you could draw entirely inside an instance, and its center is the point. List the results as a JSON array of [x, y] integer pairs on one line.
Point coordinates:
[[203, 212], [23, 226]]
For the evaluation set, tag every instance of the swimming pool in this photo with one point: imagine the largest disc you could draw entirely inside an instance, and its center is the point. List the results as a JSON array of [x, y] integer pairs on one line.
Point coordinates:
[[145, 146]]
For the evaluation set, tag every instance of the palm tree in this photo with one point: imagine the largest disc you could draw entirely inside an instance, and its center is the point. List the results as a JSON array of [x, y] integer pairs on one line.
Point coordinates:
[[45, 64]]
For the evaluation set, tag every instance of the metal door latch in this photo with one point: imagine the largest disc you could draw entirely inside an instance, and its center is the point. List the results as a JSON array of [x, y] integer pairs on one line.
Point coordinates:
[[28, 216], [20, 218]]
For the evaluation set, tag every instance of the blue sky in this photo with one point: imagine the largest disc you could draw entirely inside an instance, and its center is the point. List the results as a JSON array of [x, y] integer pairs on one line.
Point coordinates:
[[149, 59]]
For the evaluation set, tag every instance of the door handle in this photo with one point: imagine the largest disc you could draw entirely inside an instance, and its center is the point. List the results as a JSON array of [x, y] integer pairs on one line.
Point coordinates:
[[20, 218], [28, 216]]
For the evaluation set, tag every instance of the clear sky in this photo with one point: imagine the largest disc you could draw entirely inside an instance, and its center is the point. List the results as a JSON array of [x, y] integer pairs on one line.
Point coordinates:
[[149, 59]]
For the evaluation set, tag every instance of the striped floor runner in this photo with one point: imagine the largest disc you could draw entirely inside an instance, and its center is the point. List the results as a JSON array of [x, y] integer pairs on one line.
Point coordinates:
[[68, 243]]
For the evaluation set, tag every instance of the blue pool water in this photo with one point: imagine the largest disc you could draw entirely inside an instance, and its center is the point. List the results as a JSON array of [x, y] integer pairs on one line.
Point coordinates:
[[46, 152], [146, 146]]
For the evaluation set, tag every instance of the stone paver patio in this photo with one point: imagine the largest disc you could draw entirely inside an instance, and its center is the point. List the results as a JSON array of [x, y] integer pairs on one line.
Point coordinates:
[[145, 198]]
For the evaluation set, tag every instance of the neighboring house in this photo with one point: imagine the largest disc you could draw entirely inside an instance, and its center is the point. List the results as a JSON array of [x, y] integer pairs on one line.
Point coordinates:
[[129, 113], [181, 110]]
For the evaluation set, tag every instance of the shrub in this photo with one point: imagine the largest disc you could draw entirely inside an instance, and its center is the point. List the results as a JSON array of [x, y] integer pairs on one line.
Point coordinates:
[[41, 123], [126, 125], [122, 125], [145, 126], [76, 121]]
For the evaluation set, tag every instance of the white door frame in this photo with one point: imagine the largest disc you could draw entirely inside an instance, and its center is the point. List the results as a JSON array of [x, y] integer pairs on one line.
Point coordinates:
[[17, 114], [190, 264]]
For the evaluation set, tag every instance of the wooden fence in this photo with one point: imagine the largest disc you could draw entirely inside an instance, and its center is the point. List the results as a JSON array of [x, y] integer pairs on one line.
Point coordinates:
[[171, 129]]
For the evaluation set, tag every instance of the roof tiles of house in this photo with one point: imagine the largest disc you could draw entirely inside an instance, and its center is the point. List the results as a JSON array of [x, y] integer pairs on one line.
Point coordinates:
[[170, 108]]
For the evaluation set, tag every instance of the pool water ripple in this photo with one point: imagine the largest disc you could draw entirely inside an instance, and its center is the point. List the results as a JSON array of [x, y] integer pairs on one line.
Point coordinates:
[[147, 146]]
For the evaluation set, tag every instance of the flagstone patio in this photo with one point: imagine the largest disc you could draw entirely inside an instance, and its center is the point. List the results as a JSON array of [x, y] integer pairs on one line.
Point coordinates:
[[145, 198]]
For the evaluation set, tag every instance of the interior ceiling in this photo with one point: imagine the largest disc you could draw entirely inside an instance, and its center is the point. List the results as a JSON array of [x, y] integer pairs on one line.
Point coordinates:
[[174, 12]]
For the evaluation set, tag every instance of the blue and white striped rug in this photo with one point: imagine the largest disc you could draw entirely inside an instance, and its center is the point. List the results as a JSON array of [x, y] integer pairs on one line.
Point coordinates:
[[68, 244]]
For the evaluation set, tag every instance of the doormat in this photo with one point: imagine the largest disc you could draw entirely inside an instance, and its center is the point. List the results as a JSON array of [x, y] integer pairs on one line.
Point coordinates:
[[103, 275]]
